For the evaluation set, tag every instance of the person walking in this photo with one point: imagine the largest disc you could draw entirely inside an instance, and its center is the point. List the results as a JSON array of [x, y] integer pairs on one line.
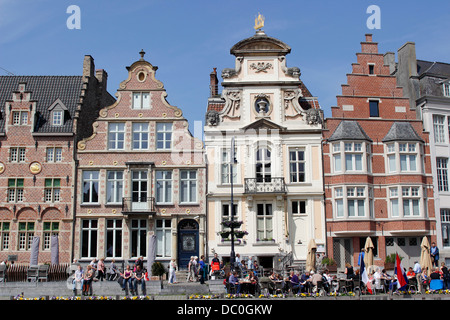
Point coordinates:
[[202, 269]]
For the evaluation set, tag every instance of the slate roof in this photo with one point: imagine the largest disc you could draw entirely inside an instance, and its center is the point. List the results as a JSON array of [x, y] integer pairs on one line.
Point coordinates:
[[349, 130], [402, 131], [433, 68], [45, 90]]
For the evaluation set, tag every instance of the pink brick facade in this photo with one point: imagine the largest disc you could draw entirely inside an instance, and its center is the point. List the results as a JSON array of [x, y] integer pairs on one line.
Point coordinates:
[[142, 151], [373, 171]]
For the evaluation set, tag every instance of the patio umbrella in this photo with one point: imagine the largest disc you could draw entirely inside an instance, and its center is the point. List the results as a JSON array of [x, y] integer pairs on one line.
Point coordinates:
[[425, 257], [34, 251], [55, 249], [311, 256], [368, 254], [151, 253]]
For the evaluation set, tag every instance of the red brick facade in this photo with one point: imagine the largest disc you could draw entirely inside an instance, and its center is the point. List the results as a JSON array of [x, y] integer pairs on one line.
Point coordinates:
[[397, 199], [40, 116]]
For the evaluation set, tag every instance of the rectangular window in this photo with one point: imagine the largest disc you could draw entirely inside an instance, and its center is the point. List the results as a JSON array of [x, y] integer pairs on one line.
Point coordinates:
[[114, 186], [116, 136], [356, 201], [49, 229], [20, 118], [297, 165], [446, 89], [17, 154], [140, 136], [163, 238], [188, 186], [90, 186], [264, 225], [141, 100], [163, 136], [52, 190], [371, 69], [393, 195], [373, 106], [4, 235], [353, 157], [114, 234], [442, 173], [339, 202], [58, 118], [138, 238], [298, 207], [89, 235], [54, 154], [408, 157], [410, 197], [225, 167], [26, 235], [15, 190], [164, 186], [438, 128]]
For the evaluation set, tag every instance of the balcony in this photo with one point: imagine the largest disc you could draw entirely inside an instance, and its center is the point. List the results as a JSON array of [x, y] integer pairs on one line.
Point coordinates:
[[138, 205], [264, 185]]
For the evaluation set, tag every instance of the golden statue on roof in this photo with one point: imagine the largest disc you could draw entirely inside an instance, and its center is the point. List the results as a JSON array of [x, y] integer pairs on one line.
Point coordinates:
[[259, 22]]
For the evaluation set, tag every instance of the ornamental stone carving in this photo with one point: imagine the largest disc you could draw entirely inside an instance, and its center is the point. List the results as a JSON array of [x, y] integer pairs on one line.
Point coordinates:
[[212, 118]]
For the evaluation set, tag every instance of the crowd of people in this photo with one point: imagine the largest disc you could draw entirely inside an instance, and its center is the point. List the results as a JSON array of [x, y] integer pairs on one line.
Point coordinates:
[[130, 279]]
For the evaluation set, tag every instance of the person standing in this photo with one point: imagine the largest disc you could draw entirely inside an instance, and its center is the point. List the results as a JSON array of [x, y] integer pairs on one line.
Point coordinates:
[[434, 252], [202, 269], [172, 271], [191, 270], [101, 269]]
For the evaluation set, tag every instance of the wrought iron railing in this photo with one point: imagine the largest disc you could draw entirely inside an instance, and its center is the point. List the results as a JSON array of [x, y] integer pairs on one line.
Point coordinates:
[[138, 205], [265, 185]]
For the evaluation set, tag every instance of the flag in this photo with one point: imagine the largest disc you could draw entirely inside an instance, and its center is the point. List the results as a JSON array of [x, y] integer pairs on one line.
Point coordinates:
[[402, 280], [365, 277]]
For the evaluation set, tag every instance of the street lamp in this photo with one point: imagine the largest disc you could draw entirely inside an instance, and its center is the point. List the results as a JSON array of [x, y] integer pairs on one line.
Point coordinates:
[[232, 162]]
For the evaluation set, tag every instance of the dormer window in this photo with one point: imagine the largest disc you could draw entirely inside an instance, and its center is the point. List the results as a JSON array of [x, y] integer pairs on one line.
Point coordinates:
[[57, 113], [446, 89], [141, 100]]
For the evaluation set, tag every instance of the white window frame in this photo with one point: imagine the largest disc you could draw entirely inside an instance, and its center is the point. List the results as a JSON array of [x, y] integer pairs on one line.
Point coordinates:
[[357, 197], [57, 117], [348, 152], [114, 230], [266, 220], [114, 186], [141, 100], [140, 136], [20, 118], [164, 135], [442, 174], [297, 163], [225, 163], [92, 179], [297, 205], [410, 197], [446, 89], [26, 235], [163, 230], [439, 128], [52, 193], [164, 186], [116, 135], [188, 186]]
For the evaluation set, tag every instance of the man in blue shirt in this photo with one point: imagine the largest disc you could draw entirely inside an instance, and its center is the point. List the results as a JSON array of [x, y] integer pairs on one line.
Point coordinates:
[[234, 282], [434, 252]]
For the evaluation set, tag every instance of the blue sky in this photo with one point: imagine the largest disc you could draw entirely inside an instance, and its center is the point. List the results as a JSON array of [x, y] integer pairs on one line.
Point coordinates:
[[187, 39]]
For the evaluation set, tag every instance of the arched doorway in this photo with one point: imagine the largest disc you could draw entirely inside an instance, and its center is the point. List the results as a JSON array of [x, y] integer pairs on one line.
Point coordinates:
[[188, 242]]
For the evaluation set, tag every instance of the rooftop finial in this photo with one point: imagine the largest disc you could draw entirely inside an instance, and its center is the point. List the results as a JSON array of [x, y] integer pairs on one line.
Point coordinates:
[[259, 22], [142, 53]]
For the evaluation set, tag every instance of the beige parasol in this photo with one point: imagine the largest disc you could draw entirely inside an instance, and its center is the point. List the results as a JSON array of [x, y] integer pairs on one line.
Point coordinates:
[[311, 257], [425, 257], [368, 254]]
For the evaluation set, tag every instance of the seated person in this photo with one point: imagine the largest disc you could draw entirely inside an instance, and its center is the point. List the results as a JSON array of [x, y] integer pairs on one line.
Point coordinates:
[[315, 279], [410, 274], [294, 281], [234, 282], [304, 283]]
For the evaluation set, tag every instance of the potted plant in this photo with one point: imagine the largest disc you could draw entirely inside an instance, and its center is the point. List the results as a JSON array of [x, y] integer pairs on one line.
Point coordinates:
[[389, 262], [158, 270], [330, 264]]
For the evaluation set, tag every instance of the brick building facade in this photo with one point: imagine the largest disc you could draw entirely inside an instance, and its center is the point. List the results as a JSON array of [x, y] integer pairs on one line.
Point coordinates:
[[42, 117], [140, 178], [377, 179]]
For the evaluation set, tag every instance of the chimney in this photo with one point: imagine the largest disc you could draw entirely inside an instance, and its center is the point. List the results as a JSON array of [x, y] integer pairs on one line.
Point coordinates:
[[88, 66], [102, 77], [368, 37], [214, 84], [389, 60]]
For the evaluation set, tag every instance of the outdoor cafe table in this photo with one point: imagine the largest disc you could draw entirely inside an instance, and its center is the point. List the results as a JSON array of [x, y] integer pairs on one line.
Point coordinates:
[[248, 286]]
